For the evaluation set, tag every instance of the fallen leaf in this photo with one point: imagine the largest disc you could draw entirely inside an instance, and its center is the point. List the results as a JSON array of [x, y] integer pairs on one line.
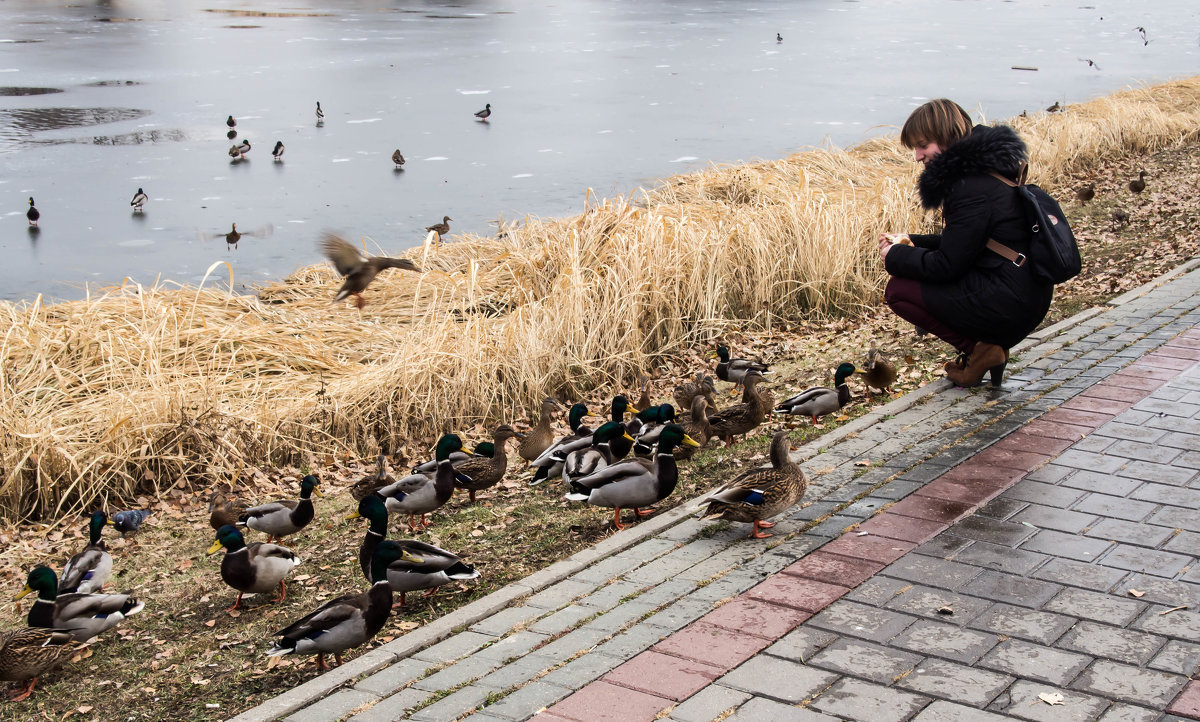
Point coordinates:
[[210, 622], [184, 565], [1136, 593], [863, 462], [945, 610], [1051, 698], [84, 709]]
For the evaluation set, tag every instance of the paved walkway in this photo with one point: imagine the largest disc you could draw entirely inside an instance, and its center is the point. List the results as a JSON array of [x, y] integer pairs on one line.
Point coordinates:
[[1023, 553]]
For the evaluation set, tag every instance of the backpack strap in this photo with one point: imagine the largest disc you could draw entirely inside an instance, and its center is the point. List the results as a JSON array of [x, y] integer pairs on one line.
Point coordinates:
[[1018, 259]]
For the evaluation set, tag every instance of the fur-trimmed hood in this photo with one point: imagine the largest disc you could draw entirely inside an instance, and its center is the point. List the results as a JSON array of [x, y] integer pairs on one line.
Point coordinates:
[[987, 148]]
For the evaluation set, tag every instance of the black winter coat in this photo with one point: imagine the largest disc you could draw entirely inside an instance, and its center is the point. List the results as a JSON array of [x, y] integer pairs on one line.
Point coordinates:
[[970, 288]]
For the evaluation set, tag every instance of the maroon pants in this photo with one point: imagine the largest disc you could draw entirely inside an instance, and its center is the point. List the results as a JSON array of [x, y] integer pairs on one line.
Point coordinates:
[[903, 295]]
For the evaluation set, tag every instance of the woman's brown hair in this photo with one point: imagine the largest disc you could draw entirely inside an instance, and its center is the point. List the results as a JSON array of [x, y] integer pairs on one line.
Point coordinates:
[[940, 121]]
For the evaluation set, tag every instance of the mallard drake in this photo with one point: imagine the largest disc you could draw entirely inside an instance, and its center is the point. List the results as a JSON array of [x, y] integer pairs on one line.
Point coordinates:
[[398, 159], [87, 571], [479, 473], [320, 114], [29, 652], [744, 417], [1137, 185], [634, 483], [539, 438], [1085, 194], [620, 445], [139, 200], [128, 522], [778, 38], [686, 391], [239, 151], [643, 401], [484, 114], [654, 420], [820, 400], [442, 228], [277, 152], [359, 270], [697, 426], [83, 616], [33, 214], [230, 122], [418, 494], [582, 462], [734, 370], [549, 462], [256, 568], [277, 519], [344, 622], [371, 508], [224, 510], [759, 494], [879, 373]]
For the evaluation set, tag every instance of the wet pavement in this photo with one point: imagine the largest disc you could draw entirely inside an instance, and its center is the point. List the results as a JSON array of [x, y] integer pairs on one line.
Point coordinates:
[[1022, 553]]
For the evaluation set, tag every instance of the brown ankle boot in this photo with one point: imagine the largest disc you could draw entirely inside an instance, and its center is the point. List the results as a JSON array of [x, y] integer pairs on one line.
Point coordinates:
[[984, 357]]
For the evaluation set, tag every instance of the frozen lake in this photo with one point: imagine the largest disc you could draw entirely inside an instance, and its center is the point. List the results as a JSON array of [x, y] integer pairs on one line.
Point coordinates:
[[98, 99]]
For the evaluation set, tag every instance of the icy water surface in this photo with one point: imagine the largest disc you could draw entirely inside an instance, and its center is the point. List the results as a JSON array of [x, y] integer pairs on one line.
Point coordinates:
[[98, 99]]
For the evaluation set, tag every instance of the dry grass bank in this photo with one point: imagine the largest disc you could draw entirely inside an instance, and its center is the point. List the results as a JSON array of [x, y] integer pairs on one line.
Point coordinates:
[[115, 394]]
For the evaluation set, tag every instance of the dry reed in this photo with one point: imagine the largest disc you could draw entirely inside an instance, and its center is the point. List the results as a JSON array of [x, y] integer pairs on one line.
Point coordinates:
[[133, 387]]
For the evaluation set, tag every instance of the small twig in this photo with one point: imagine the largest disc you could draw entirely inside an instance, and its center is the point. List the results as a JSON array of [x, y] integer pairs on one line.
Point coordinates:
[[1173, 609]]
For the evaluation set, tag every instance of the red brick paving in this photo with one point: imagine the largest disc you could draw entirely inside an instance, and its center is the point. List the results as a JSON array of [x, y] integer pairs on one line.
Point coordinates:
[[1114, 392], [834, 568], [983, 475], [750, 616], [924, 507], [601, 701], [711, 645], [663, 675], [1131, 381], [1103, 406], [1137, 368], [1179, 352], [906, 528], [1036, 443], [971, 492], [807, 595], [1187, 704], [1009, 458], [1166, 362], [1089, 419], [874, 548]]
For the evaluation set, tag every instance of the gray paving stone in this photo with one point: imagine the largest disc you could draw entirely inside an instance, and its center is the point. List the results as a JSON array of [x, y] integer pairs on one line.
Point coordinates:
[[680, 614], [1080, 574], [621, 616], [938, 639], [459, 645], [667, 592], [395, 707], [759, 709], [506, 620], [1094, 462], [580, 671], [573, 642], [944, 546], [527, 701], [1115, 506], [632, 641], [566, 618], [865, 659], [877, 590], [709, 703], [560, 594], [1036, 492], [1176, 517], [1161, 473], [1129, 713], [931, 571], [1094, 481], [516, 673], [956, 682], [1000, 558], [942, 711], [1032, 661], [1178, 657], [1102, 640], [1099, 607], [860, 620], [1000, 508], [1128, 532], [675, 562], [1045, 517], [1132, 432], [1011, 588], [1182, 624], [926, 601], [1168, 494], [1071, 546], [457, 674], [1021, 700], [1040, 627], [453, 705], [761, 676], [854, 699], [393, 677], [335, 706], [801, 643], [1146, 561], [1146, 687], [514, 645]]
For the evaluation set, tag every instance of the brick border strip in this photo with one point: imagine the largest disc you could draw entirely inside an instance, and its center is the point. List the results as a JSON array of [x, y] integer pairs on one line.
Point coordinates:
[[689, 660]]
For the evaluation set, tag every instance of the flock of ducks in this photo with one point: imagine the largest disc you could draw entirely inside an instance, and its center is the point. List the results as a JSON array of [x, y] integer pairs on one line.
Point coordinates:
[[630, 461], [1084, 194]]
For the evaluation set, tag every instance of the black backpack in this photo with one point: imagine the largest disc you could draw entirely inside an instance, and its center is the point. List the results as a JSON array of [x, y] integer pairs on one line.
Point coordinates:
[[1052, 249]]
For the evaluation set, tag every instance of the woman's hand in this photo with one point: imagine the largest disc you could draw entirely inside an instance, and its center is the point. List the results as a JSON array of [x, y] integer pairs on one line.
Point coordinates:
[[887, 240]]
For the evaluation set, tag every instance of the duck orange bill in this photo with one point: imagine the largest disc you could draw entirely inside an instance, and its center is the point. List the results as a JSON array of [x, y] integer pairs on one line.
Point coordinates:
[[216, 547], [352, 515], [21, 595], [689, 441], [625, 435]]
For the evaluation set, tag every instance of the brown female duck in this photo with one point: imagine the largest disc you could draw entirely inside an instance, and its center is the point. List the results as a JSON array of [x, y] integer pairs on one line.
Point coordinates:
[[539, 438], [744, 417], [760, 493], [879, 373], [479, 473]]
